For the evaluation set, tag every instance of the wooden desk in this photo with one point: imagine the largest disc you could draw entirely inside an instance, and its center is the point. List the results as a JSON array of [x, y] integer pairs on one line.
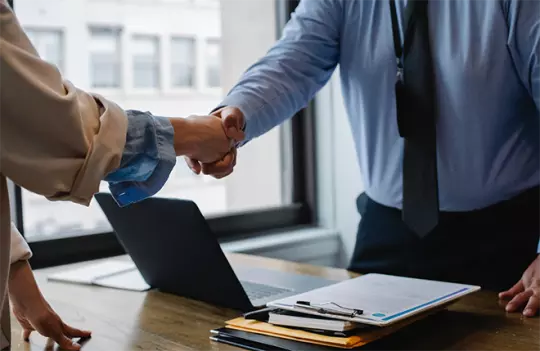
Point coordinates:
[[123, 320]]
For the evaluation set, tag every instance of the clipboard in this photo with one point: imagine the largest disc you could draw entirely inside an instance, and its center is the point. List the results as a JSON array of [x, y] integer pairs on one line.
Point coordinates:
[[382, 299]]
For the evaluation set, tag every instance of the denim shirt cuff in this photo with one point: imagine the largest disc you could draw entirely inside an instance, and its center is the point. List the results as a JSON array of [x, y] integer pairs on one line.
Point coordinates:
[[147, 161]]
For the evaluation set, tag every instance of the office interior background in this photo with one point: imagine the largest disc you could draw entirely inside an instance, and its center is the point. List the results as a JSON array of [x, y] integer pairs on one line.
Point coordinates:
[[292, 194]]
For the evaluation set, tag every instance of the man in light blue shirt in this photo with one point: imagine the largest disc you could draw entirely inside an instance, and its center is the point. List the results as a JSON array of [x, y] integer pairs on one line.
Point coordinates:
[[486, 57]]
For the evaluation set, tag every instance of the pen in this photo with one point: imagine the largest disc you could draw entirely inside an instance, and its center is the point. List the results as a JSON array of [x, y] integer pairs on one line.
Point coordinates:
[[317, 307]]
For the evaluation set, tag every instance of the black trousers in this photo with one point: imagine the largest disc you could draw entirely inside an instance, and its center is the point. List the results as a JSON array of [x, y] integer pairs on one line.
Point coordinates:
[[490, 247]]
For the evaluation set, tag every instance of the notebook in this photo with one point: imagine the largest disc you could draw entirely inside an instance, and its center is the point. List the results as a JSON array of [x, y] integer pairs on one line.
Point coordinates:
[[381, 299], [111, 273], [300, 320]]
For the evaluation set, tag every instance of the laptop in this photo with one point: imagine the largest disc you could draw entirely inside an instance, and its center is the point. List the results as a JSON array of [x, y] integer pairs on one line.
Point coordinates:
[[173, 247]]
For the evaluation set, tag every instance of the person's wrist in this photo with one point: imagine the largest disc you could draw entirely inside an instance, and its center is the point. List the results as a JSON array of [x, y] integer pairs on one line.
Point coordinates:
[[18, 268], [183, 136], [22, 285]]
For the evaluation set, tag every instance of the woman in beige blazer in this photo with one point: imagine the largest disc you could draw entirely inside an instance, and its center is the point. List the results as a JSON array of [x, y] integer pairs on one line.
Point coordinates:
[[60, 142]]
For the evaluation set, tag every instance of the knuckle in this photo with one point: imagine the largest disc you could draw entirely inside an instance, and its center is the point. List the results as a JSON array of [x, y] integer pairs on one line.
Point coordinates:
[[206, 171], [43, 319], [536, 291], [523, 296]]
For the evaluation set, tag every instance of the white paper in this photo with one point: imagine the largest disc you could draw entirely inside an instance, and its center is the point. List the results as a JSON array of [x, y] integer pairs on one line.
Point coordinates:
[[87, 274], [383, 298], [131, 280]]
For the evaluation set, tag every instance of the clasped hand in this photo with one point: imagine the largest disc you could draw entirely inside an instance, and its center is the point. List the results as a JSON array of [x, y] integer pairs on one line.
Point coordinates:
[[214, 153]]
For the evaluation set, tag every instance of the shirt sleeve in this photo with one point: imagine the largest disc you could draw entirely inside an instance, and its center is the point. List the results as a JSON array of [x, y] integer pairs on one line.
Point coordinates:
[[524, 45], [147, 160], [287, 78]]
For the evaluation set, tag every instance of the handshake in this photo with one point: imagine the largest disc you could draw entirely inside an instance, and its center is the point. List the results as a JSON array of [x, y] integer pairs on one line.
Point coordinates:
[[208, 143]]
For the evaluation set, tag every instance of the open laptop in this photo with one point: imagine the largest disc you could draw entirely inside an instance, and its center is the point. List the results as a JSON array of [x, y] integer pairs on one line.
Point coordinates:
[[175, 251]]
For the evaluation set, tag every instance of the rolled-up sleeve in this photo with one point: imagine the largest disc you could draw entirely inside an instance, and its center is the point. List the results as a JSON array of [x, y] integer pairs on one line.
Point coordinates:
[[61, 142], [147, 160]]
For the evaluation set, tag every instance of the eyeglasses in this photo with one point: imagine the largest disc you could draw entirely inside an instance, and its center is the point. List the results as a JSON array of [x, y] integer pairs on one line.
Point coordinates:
[[341, 311]]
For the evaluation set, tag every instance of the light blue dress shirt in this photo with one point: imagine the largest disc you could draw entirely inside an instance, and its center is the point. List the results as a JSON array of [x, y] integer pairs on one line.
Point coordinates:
[[147, 160], [487, 72]]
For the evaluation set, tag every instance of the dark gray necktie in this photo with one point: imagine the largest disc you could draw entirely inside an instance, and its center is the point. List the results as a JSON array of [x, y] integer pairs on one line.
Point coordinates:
[[415, 101]]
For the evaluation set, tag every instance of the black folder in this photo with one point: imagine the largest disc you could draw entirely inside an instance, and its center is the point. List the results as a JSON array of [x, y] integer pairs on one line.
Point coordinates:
[[258, 342]]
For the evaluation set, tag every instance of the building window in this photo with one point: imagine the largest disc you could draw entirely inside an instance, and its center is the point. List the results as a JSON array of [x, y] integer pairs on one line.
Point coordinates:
[[105, 57], [182, 62], [146, 61], [49, 45], [213, 63]]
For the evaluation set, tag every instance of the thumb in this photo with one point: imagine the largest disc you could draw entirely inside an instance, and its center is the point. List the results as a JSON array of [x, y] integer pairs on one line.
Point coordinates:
[[26, 334], [233, 123]]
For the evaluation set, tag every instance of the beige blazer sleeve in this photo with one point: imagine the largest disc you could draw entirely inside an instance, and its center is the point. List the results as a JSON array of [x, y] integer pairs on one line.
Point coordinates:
[[56, 140]]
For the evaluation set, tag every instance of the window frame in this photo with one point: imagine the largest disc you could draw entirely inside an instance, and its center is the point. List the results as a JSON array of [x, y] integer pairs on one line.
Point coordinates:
[[301, 212]]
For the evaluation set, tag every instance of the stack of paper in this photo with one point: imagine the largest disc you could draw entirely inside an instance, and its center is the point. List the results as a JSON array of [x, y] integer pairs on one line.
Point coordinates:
[[361, 338], [386, 303]]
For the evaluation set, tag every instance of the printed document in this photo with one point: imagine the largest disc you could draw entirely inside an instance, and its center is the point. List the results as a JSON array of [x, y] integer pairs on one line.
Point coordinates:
[[384, 299]]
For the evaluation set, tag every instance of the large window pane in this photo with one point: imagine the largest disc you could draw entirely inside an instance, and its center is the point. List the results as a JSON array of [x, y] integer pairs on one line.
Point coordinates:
[[143, 55]]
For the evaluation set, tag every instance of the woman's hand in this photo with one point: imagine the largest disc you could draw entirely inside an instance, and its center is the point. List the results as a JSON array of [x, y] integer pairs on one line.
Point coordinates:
[[34, 313]]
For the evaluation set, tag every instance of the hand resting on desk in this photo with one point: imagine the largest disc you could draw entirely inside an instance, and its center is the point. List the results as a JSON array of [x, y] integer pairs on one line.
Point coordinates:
[[34, 313], [526, 292]]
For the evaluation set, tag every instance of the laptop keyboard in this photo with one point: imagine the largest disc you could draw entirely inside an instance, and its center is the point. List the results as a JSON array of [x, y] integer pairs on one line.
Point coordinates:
[[257, 291]]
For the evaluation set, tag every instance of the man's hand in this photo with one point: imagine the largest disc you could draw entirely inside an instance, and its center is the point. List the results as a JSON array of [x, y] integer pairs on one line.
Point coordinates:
[[526, 292], [201, 138], [34, 313], [232, 121]]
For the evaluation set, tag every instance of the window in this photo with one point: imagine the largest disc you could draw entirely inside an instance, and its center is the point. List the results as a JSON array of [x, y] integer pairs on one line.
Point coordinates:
[[105, 57], [213, 62], [270, 187], [49, 45], [145, 51], [182, 62]]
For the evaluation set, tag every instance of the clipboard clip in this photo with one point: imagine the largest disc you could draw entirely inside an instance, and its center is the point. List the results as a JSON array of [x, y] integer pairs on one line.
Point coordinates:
[[342, 311]]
